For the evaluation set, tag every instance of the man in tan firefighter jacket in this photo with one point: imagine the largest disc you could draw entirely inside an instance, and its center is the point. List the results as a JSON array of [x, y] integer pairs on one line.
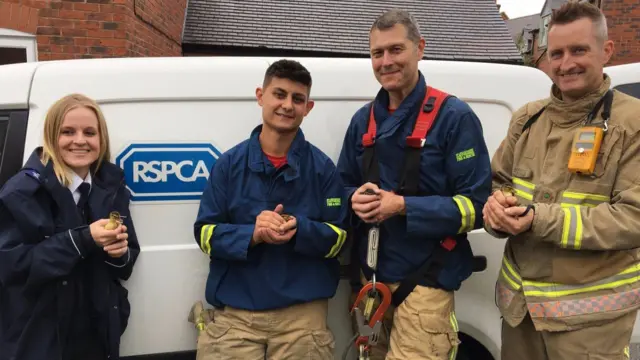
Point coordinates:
[[566, 193]]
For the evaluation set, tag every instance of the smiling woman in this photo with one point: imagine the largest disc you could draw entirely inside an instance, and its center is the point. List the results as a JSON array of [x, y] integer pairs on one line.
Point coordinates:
[[59, 263]]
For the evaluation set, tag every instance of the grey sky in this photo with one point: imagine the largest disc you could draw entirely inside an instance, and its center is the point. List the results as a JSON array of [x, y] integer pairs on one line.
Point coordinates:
[[518, 8]]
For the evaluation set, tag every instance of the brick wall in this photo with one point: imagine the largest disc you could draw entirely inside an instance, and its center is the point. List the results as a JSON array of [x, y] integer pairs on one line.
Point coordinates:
[[68, 29], [623, 19]]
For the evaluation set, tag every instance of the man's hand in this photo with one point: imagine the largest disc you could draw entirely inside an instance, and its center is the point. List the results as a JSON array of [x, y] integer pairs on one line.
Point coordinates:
[[272, 228], [495, 205], [507, 218], [367, 207], [391, 205]]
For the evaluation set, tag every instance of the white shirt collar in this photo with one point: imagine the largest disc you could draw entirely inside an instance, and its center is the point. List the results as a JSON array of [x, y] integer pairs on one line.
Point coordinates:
[[76, 181]]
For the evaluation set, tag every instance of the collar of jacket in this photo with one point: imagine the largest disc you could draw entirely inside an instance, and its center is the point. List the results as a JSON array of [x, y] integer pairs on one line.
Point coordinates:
[[563, 113], [258, 160], [387, 124], [109, 176]]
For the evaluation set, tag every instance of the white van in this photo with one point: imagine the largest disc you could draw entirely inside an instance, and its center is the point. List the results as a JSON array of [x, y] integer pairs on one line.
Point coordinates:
[[170, 118]]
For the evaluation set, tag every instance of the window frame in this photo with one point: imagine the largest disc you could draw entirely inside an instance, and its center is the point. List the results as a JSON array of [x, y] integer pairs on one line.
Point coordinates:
[[20, 40], [11, 160], [544, 31]]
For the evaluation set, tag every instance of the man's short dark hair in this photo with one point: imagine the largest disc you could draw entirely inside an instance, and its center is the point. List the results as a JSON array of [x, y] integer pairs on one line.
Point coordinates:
[[288, 69], [574, 11]]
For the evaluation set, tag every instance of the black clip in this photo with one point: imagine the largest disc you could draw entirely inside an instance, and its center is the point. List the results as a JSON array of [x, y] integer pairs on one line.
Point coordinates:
[[428, 107]]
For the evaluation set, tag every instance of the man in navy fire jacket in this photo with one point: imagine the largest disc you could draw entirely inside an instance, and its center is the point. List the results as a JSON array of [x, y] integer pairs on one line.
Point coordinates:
[[271, 220], [422, 234]]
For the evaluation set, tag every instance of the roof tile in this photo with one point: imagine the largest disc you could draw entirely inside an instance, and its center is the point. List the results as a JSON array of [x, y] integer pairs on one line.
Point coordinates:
[[453, 29]]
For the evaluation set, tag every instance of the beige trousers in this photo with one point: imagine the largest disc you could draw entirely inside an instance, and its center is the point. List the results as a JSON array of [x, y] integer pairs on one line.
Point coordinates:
[[609, 341], [296, 332], [423, 327]]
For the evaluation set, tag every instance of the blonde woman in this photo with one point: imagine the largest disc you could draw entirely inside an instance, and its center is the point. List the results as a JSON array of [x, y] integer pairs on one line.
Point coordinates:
[[60, 264]]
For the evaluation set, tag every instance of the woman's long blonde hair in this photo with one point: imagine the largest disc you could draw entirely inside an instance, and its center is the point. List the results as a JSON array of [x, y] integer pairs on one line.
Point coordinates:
[[53, 124]]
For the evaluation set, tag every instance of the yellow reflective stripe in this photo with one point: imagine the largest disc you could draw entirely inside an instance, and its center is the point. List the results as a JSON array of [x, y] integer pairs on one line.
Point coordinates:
[[570, 198], [342, 237], [628, 276], [523, 188], [467, 211], [511, 271], [454, 321], [454, 325], [205, 238], [454, 352], [572, 227], [528, 185], [513, 284], [626, 352], [583, 196]]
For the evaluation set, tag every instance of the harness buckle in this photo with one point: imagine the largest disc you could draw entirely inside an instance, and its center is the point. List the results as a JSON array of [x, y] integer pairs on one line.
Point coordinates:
[[416, 142], [428, 107], [368, 140]]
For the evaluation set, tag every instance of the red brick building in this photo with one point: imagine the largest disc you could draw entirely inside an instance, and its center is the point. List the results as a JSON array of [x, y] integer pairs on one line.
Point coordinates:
[[68, 29], [623, 21]]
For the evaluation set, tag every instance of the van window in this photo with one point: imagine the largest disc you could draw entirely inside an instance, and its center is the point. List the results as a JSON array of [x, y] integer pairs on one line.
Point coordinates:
[[13, 130], [632, 89]]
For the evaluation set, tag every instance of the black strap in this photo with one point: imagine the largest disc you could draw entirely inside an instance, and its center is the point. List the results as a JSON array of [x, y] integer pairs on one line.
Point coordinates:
[[533, 119], [370, 167], [409, 182], [426, 274], [607, 101]]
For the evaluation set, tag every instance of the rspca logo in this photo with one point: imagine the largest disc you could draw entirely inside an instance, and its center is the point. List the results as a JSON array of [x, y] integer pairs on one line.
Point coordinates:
[[161, 172]]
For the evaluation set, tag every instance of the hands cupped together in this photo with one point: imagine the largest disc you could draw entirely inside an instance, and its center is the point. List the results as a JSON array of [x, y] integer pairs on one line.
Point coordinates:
[[272, 227], [374, 205], [501, 213]]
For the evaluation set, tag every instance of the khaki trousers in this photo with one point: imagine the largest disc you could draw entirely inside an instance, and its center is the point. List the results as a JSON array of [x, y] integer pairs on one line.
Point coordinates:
[[296, 332], [609, 341], [423, 327]]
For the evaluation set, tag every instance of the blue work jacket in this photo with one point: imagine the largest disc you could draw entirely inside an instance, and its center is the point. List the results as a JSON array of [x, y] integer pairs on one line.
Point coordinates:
[[454, 184], [50, 266], [242, 184]]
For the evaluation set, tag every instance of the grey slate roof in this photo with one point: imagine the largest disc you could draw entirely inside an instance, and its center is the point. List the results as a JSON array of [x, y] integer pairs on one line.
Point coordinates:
[[453, 29], [516, 25]]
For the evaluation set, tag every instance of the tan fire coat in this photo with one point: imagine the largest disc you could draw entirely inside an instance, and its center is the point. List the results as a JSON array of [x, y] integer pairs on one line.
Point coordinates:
[[578, 264]]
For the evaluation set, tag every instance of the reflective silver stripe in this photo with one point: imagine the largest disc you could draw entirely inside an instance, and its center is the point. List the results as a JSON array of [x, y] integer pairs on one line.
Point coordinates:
[[584, 199], [572, 228], [510, 275], [523, 188], [125, 263], [467, 211], [74, 244], [626, 277]]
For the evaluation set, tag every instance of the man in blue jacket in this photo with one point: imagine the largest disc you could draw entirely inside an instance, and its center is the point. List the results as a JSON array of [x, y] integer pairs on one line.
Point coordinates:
[[425, 192], [271, 220]]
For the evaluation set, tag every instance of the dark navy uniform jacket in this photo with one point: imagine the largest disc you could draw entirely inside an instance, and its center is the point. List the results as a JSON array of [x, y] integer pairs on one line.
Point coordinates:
[[53, 277], [455, 182], [242, 184]]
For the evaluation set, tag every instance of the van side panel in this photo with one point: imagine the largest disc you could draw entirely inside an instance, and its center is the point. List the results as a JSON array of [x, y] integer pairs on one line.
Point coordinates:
[[212, 100]]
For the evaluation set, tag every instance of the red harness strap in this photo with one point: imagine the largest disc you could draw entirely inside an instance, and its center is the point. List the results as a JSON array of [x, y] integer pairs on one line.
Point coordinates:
[[431, 104]]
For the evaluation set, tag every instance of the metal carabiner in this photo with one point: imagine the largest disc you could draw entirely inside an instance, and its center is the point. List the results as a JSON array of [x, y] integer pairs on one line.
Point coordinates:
[[368, 332]]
